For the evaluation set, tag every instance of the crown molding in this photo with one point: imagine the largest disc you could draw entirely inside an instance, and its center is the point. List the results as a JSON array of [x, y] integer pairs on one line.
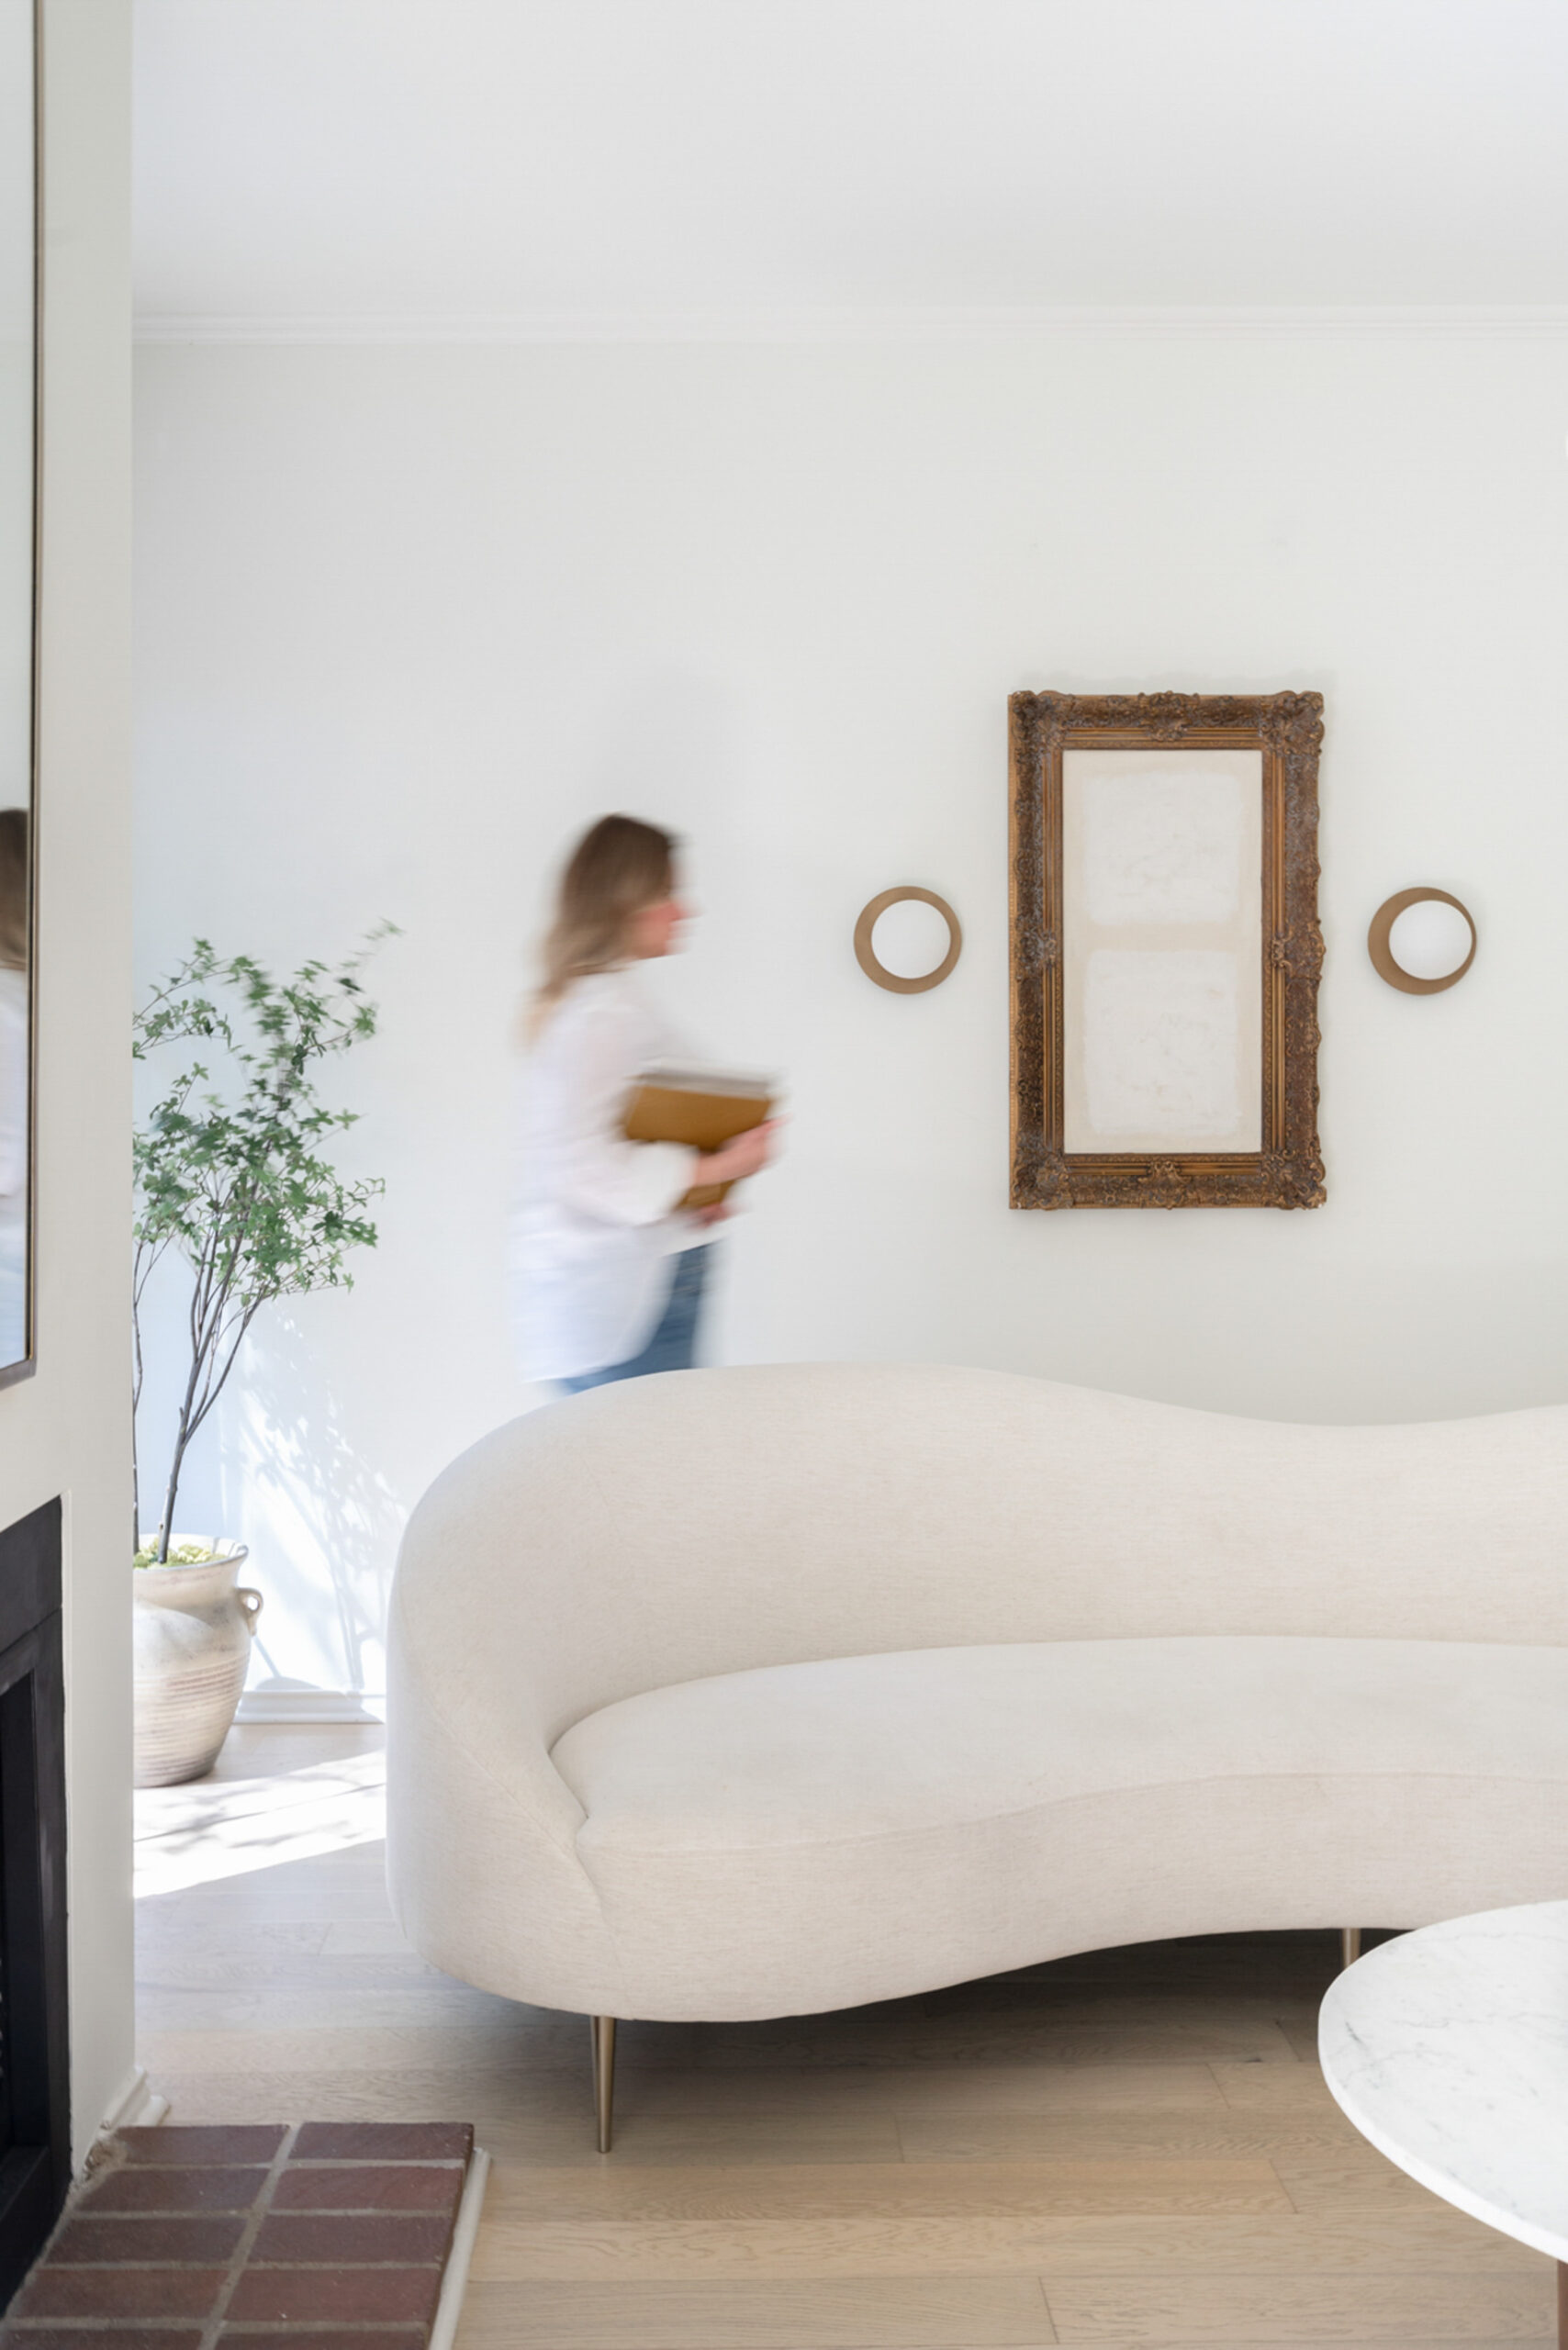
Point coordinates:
[[738, 324]]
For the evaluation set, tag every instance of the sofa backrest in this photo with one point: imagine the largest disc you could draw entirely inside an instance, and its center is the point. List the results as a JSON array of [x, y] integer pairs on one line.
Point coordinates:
[[671, 1528]]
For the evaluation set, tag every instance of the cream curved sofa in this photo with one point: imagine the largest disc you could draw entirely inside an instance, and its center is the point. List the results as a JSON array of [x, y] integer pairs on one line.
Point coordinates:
[[750, 1693]]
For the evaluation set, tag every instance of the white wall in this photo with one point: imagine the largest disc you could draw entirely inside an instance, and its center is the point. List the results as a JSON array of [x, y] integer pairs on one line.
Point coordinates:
[[64, 1430], [411, 616]]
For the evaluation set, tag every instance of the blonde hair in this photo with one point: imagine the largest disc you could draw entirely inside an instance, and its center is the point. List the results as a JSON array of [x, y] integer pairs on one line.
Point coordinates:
[[13, 891], [618, 868]]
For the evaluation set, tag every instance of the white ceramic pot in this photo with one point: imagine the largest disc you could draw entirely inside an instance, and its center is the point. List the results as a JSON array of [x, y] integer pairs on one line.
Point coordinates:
[[193, 1645]]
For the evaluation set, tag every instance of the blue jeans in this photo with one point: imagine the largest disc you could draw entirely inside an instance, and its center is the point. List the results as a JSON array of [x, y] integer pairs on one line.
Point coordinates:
[[673, 1346]]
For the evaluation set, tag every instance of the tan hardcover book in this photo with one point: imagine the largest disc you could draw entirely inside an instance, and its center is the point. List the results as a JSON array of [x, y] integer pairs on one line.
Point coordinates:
[[703, 1107]]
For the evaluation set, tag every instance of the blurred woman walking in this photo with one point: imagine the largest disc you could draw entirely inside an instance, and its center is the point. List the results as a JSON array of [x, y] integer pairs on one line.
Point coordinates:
[[608, 1273]]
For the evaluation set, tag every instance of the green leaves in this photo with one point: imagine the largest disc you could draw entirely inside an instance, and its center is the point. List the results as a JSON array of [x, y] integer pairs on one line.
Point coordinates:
[[230, 1161], [235, 1177]]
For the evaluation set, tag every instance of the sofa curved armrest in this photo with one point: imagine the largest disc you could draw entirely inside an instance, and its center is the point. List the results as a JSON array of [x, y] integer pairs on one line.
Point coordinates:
[[482, 1865]]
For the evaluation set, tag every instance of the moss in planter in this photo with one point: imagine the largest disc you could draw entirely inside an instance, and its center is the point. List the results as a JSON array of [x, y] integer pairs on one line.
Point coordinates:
[[181, 1554]]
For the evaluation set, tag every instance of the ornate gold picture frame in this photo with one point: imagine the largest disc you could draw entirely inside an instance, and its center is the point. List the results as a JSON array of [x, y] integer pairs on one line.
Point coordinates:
[[1166, 950]]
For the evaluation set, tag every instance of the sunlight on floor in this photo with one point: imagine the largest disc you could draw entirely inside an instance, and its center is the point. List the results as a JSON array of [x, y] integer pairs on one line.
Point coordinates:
[[223, 1827]]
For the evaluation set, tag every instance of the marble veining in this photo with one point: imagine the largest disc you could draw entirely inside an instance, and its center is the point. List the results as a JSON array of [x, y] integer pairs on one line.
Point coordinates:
[[1448, 2050]]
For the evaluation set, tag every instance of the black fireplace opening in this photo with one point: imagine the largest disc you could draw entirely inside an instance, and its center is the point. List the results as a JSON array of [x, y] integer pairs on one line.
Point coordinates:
[[35, 2065]]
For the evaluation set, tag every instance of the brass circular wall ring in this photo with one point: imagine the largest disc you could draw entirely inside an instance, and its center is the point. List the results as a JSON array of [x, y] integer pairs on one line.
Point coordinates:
[[865, 954], [1382, 954]]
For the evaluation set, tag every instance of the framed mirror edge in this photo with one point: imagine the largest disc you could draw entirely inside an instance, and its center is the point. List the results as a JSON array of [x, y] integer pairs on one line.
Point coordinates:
[[24, 1365], [1286, 728]]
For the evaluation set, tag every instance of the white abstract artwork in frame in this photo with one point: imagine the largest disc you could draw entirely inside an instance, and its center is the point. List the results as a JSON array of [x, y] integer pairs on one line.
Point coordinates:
[[1166, 949], [1163, 942]]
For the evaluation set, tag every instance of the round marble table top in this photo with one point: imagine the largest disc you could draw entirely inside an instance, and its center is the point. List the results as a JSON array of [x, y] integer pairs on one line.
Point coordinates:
[[1448, 2050]]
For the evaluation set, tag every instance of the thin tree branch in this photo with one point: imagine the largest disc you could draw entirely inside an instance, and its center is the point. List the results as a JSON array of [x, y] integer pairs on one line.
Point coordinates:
[[239, 1189]]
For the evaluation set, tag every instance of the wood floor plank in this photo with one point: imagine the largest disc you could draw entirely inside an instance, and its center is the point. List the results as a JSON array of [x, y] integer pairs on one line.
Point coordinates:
[[1172, 2136], [176, 1934], [378, 1938], [891, 2313], [1054, 2248], [1434, 2240], [471, 2089], [1273, 2088], [1032, 2088], [170, 1977], [1319, 2308], [559, 2142], [254, 1750], [305, 1901], [622, 2190], [1002, 2039], [371, 2048], [423, 2093], [1354, 2178], [269, 2010]]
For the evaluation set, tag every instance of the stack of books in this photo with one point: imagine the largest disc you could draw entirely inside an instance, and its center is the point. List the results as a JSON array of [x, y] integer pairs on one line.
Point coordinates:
[[703, 1107]]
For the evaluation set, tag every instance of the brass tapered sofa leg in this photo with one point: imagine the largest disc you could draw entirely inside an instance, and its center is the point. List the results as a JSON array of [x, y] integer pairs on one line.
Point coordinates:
[[602, 2027], [1350, 1945]]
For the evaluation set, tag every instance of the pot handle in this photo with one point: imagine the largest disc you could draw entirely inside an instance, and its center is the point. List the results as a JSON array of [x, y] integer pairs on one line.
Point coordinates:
[[252, 1604]]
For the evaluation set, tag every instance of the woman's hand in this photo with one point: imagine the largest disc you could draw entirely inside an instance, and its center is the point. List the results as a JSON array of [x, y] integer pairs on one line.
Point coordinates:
[[740, 1157]]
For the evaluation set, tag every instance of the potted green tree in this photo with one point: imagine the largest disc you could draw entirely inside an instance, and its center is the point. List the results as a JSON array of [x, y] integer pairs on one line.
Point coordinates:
[[230, 1176]]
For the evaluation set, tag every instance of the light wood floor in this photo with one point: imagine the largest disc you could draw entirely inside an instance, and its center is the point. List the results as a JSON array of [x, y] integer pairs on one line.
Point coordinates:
[[1129, 2148]]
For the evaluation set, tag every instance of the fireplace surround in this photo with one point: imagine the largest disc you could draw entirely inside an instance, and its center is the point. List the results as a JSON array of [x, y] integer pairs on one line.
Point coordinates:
[[35, 2126]]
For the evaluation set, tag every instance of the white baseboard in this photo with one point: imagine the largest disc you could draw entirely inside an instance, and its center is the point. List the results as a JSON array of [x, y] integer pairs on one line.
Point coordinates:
[[312, 1706], [138, 2106], [448, 2308]]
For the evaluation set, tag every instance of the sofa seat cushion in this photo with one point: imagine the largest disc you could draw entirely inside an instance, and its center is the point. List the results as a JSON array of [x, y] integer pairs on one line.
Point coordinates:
[[859, 1799], [862, 1747]]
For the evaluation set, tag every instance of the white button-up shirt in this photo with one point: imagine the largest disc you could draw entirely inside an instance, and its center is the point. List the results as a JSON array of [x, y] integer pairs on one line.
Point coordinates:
[[594, 1223]]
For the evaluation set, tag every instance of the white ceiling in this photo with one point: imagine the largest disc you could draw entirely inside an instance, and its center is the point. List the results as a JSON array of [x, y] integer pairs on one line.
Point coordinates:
[[552, 166]]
